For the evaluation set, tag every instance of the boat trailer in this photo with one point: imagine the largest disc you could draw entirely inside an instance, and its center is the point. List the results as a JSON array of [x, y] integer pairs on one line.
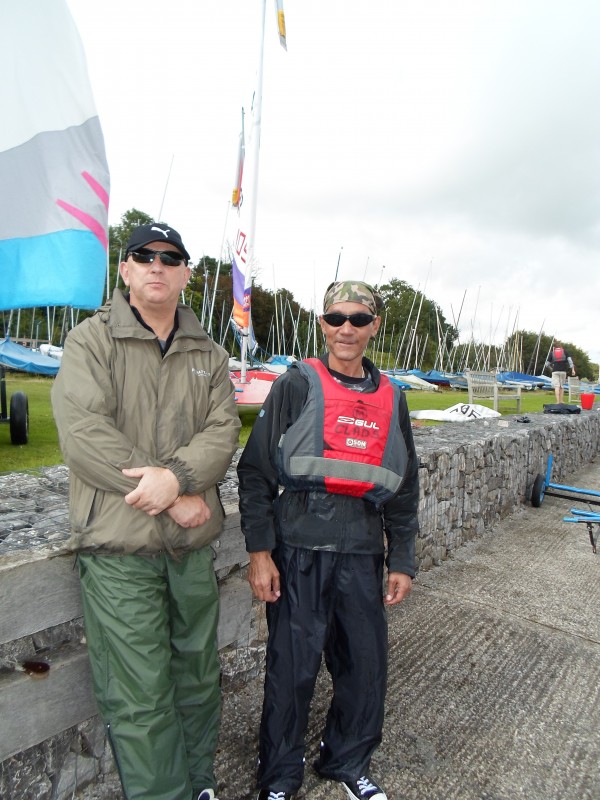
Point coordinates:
[[542, 487]]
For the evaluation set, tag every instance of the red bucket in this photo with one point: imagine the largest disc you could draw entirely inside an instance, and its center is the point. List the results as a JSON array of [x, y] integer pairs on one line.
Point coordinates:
[[587, 401]]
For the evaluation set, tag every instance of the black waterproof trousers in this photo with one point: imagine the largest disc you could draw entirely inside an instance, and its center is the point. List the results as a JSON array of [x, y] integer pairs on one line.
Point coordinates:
[[331, 603]]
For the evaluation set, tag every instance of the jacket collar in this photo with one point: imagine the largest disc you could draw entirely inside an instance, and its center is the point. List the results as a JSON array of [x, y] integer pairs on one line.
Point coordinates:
[[123, 323]]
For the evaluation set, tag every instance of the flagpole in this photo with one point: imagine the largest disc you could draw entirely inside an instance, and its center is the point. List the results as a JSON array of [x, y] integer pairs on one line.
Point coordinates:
[[252, 199]]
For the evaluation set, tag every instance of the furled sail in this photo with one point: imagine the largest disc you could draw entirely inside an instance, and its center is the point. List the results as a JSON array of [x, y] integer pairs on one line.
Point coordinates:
[[245, 200]]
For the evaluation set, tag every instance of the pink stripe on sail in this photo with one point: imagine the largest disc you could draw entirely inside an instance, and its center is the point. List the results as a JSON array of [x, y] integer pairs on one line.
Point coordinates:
[[97, 188], [93, 225]]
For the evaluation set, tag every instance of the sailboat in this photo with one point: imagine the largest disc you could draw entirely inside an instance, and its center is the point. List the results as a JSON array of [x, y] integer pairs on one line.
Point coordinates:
[[14, 356], [251, 387], [250, 395]]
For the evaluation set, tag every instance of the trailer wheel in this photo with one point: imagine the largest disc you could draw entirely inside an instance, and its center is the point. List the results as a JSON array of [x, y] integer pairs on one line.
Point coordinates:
[[19, 418], [537, 493]]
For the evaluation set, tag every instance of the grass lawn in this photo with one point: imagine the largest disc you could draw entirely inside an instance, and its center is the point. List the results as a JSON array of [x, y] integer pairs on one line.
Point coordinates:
[[43, 451]]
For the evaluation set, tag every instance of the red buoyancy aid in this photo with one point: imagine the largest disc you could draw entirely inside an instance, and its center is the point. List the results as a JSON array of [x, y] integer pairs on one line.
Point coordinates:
[[558, 354], [344, 442]]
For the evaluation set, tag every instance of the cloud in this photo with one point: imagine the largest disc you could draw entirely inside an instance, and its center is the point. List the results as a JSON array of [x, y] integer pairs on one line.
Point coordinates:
[[453, 145]]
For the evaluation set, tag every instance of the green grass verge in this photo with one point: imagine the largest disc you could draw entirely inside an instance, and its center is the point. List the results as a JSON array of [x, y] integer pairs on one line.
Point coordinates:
[[43, 450]]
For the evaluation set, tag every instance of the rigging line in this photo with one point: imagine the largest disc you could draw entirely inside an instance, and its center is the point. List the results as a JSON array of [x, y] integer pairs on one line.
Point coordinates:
[[165, 191]]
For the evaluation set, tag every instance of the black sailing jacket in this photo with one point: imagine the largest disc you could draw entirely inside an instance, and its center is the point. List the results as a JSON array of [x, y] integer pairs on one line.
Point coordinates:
[[316, 519]]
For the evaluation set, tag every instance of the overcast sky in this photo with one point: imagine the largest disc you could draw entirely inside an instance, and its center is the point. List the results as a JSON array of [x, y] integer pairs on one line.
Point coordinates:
[[453, 144]]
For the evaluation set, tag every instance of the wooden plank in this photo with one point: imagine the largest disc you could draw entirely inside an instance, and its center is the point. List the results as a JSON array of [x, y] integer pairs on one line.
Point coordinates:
[[230, 547], [236, 611], [34, 709], [37, 594]]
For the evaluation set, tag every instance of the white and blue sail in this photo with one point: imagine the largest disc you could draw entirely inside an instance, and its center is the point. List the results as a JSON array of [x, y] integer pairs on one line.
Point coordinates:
[[53, 170]]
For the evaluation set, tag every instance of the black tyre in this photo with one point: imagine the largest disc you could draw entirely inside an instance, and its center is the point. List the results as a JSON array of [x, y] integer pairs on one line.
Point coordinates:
[[537, 493], [19, 418]]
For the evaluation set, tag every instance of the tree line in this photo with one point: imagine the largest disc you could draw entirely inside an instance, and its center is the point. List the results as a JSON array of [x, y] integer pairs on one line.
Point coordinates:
[[414, 332]]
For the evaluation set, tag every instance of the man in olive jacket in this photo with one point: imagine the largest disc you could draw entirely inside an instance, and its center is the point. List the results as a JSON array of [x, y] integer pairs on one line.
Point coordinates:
[[147, 422]]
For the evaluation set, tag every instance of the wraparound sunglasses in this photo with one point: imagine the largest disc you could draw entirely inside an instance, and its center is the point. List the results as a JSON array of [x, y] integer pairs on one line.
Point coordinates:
[[358, 320], [170, 258]]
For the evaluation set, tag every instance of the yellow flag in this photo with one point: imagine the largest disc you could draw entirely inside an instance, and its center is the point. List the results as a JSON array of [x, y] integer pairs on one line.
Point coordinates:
[[281, 23], [236, 196]]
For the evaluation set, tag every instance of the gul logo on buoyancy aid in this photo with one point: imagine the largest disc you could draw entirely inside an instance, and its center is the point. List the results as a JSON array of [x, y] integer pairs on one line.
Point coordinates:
[[340, 443]]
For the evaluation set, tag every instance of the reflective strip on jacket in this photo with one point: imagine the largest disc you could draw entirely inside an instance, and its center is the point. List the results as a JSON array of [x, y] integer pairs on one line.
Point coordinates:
[[314, 519]]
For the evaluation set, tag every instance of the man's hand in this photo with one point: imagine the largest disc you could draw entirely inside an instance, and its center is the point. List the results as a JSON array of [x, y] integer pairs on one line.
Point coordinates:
[[399, 586], [263, 577], [189, 511], [157, 489]]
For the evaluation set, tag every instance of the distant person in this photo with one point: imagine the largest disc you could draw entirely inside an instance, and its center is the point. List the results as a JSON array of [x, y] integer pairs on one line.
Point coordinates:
[[147, 422], [559, 362], [336, 434]]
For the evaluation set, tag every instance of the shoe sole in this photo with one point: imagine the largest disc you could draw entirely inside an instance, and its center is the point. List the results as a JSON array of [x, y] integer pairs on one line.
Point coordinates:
[[352, 796]]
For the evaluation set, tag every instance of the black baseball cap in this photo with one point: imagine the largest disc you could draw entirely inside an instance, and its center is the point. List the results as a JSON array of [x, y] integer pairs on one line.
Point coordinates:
[[155, 232]]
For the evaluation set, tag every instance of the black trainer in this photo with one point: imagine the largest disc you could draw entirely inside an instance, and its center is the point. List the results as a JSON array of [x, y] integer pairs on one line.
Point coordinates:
[[364, 789], [269, 794]]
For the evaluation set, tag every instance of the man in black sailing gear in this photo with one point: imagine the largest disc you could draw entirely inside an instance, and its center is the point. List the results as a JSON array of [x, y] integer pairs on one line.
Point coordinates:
[[336, 434]]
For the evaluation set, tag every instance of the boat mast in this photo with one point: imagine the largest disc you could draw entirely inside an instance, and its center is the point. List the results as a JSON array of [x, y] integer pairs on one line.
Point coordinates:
[[252, 199]]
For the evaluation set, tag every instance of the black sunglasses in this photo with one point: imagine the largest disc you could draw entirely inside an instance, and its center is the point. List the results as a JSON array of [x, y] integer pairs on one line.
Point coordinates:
[[170, 258], [358, 320]]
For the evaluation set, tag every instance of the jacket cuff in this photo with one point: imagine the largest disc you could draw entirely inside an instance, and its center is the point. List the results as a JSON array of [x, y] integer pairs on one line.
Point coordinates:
[[179, 469]]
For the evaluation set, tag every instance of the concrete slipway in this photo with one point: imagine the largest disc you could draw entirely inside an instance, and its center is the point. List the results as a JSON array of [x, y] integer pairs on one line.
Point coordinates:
[[494, 689]]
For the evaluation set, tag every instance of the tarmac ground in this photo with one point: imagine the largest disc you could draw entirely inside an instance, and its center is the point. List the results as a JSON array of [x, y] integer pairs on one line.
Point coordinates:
[[493, 690]]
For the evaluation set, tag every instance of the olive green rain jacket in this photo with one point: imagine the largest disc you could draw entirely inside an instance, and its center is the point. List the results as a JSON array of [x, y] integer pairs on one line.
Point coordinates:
[[118, 403]]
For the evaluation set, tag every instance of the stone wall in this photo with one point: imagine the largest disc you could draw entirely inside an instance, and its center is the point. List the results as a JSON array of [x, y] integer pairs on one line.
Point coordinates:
[[472, 474]]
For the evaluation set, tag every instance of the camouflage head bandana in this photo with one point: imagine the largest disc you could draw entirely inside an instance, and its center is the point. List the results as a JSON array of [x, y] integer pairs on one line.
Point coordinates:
[[353, 292]]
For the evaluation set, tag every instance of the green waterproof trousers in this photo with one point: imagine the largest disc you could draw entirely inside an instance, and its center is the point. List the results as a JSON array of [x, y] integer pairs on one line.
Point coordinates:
[[151, 628]]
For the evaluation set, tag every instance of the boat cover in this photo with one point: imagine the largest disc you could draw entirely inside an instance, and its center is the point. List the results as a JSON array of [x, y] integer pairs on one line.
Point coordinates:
[[15, 356]]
